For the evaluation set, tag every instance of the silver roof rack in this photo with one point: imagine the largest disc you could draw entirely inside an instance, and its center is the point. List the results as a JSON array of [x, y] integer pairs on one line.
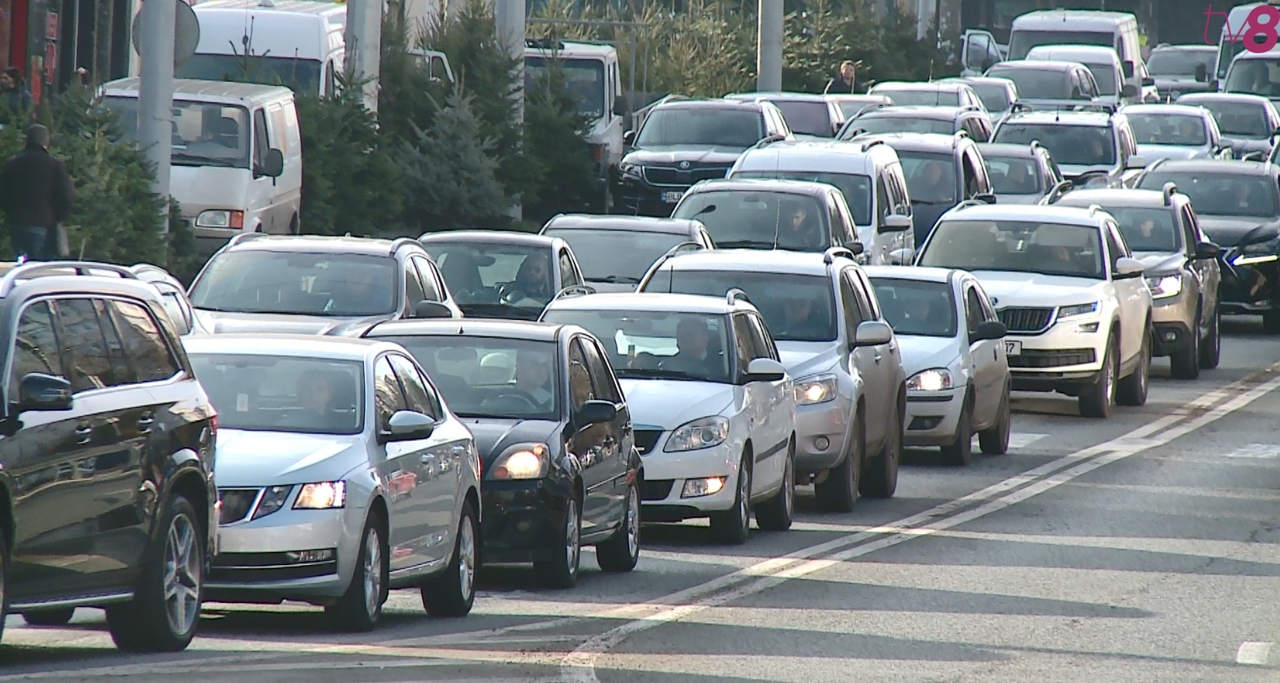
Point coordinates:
[[26, 271], [735, 295], [1170, 189], [829, 256]]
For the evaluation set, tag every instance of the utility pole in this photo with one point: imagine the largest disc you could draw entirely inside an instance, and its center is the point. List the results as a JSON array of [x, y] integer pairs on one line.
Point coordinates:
[[155, 93], [509, 22], [769, 46], [364, 46]]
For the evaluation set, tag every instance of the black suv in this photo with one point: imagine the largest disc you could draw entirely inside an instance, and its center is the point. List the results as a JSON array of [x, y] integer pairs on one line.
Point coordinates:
[[682, 142], [106, 465], [317, 285]]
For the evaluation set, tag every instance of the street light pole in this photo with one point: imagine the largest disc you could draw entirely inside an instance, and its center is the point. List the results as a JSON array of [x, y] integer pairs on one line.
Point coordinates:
[[769, 46], [364, 46], [155, 93], [509, 24]]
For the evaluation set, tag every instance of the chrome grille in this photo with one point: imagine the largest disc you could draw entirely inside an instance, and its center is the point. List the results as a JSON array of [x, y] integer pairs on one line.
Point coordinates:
[[1026, 320], [236, 504], [646, 439], [666, 175]]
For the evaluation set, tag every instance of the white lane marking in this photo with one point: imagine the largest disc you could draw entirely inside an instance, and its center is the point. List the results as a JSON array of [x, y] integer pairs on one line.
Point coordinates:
[[1017, 441], [579, 665], [1262, 451], [1253, 653]]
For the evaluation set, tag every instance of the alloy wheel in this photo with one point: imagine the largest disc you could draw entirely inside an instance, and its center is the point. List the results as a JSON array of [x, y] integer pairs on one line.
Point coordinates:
[[466, 558], [182, 575], [372, 572]]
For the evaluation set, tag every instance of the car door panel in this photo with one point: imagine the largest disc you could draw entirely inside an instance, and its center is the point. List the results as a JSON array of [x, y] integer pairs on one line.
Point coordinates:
[[863, 365], [437, 465], [590, 444], [620, 438], [984, 357], [405, 473], [754, 405], [779, 422]]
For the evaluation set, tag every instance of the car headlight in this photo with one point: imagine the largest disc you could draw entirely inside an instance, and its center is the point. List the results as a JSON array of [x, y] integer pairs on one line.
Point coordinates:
[[698, 434], [521, 461], [813, 390], [220, 218], [1164, 286], [934, 379], [324, 495], [272, 500], [1078, 309]]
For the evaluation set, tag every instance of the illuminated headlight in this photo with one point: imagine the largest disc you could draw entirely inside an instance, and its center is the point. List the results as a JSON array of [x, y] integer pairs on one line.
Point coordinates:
[[630, 171], [522, 461], [698, 434], [220, 219], [272, 500], [936, 379], [1163, 286], [1079, 309], [696, 488], [324, 495], [813, 390]]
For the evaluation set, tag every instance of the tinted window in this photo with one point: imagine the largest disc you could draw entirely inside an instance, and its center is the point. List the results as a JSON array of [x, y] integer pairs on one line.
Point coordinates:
[[849, 303], [1179, 62], [931, 178], [735, 128], [743, 342], [580, 389], [1070, 145], [1035, 84], [855, 188], [1021, 42], [416, 394], [143, 342], [205, 134], [761, 341], [284, 394], [430, 287], [1167, 129], [1147, 229], [917, 308], [759, 220], [492, 274], [568, 277], [85, 345], [807, 118], [994, 97], [796, 307], [1104, 76], [602, 379], [617, 255], [299, 283], [901, 122], [1016, 246], [656, 344], [388, 398], [973, 309], [1220, 194], [1013, 175], [1241, 120], [413, 290], [583, 78], [1254, 76], [35, 347], [925, 96]]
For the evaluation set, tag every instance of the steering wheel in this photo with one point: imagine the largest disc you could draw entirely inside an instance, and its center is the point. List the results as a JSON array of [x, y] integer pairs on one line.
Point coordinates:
[[519, 395]]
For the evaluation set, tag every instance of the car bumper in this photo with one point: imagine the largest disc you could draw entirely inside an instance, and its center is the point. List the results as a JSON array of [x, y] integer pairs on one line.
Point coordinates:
[[1174, 319], [1065, 354], [642, 199], [665, 475], [522, 521], [821, 432], [932, 417]]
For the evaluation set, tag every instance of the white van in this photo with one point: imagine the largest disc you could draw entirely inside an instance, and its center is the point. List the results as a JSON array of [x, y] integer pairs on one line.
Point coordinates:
[[867, 173], [1231, 40], [237, 155], [1116, 30], [1103, 63], [1255, 73]]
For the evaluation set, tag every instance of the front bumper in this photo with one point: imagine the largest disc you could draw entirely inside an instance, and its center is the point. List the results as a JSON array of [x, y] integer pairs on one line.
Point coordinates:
[[821, 432], [1174, 320], [522, 520], [665, 475], [1070, 352], [932, 417], [642, 199]]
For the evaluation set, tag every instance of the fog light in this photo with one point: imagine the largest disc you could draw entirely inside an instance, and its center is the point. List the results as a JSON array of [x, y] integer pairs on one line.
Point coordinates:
[[696, 488], [303, 556], [1169, 336], [822, 442], [1087, 328]]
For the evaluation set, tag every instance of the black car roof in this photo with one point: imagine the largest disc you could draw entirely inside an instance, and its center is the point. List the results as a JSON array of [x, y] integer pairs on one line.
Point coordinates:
[[578, 221], [466, 327]]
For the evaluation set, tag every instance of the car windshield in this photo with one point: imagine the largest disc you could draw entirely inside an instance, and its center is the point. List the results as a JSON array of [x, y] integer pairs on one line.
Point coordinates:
[[799, 308], [658, 344], [855, 188], [298, 283], [1033, 83], [1147, 229], [1254, 77], [490, 377], [807, 117], [888, 121], [300, 75], [915, 308], [1021, 42], [994, 97], [923, 96], [931, 178], [492, 273], [1069, 145], [1236, 119], [617, 255], [1167, 129], [204, 134], [1016, 246], [737, 128], [739, 219], [1179, 62], [583, 78], [1221, 194], [1105, 76], [1013, 175], [263, 393]]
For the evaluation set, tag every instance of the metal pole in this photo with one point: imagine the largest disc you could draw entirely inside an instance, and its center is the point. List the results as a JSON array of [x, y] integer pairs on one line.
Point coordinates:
[[364, 46], [509, 23], [769, 47], [155, 92]]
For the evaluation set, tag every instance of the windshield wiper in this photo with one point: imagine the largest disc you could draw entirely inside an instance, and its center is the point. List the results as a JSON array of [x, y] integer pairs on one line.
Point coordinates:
[[744, 244], [928, 202], [656, 373], [613, 279], [203, 161]]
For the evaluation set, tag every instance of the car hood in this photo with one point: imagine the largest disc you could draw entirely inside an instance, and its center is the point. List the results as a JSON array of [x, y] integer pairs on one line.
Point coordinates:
[[1246, 145], [612, 287], [1150, 153], [922, 353], [494, 435], [1159, 263], [1226, 231], [1037, 290], [667, 404], [251, 458], [277, 323], [669, 156], [808, 358]]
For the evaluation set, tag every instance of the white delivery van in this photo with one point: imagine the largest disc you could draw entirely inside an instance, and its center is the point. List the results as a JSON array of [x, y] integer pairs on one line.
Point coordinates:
[[1231, 40], [1116, 30], [237, 155]]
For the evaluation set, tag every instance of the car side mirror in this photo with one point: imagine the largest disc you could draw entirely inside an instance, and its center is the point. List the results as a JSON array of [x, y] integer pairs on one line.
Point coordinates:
[[873, 333], [1258, 235], [900, 257], [989, 330], [272, 165], [1134, 163], [896, 222], [1148, 82], [1129, 90], [855, 246], [597, 412], [1127, 268], [985, 197], [1252, 156], [620, 107], [1202, 73], [765, 370], [40, 392], [1126, 67], [629, 137], [1207, 250], [431, 309], [407, 425], [1214, 84]]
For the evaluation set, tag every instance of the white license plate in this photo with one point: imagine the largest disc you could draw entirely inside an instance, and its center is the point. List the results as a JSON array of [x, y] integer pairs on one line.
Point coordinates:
[[672, 197], [1012, 348]]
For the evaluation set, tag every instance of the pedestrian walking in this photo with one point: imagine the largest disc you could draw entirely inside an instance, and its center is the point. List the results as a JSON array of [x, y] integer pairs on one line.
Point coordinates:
[[14, 94], [36, 195], [846, 80]]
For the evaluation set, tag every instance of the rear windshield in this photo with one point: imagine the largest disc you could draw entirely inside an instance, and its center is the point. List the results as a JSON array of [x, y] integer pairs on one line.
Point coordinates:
[[759, 220], [1069, 145], [922, 97], [808, 118], [994, 97], [1021, 42], [298, 283], [701, 127], [1238, 120], [1220, 194], [795, 307], [1034, 84], [889, 121], [855, 188], [1179, 62]]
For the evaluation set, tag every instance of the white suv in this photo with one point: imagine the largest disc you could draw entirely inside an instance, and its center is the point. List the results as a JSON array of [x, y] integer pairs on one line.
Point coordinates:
[[1069, 290]]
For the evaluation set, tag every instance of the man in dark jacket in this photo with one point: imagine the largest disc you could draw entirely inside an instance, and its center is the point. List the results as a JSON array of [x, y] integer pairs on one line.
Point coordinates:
[[36, 195], [847, 81]]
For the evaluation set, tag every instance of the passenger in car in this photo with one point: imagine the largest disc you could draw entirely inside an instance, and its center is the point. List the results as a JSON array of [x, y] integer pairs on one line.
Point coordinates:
[[533, 377], [692, 341]]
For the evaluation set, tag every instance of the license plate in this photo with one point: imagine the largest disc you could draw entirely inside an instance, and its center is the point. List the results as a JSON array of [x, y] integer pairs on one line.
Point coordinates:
[[672, 197], [1012, 348]]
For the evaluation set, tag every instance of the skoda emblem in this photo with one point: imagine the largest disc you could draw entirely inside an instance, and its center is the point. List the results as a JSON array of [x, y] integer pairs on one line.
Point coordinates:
[[684, 165]]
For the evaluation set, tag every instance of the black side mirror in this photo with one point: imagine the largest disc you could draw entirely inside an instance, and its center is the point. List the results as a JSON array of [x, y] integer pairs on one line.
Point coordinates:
[[629, 137], [38, 392], [597, 412], [272, 165], [431, 309], [620, 107], [1126, 67], [1202, 73], [1148, 81], [1129, 90], [1207, 250], [1213, 84], [855, 246], [989, 330]]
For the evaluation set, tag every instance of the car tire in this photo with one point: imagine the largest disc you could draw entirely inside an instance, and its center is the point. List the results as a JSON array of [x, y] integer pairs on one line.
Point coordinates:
[[360, 607], [1096, 399], [1132, 390], [1185, 363], [995, 440], [49, 617], [732, 526], [880, 474], [839, 491], [959, 452], [1211, 347], [622, 551], [776, 513], [155, 621], [561, 571], [453, 591]]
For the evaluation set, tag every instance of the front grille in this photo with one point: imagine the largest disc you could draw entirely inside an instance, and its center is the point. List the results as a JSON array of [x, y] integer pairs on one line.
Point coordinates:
[[1056, 358], [655, 489], [236, 504], [262, 567], [1026, 320], [675, 177], [646, 439]]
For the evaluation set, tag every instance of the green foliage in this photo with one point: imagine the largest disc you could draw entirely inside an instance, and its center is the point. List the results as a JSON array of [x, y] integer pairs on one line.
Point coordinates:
[[554, 132], [408, 96]]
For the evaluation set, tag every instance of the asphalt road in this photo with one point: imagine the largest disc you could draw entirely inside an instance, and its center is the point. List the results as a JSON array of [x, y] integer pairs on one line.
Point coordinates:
[[1142, 548]]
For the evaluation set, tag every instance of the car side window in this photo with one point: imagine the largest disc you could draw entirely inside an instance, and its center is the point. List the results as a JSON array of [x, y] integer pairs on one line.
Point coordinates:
[[742, 339], [261, 143], [144, 343], [1114, 245], [388, 398], [602, 380], [973, 308], [980, 165], [417, 395], [413, 291], [898, 191], [884, 206], [85, 345], [120, 358], [567, 275], [763, 341], [866, 294], [865, 312], [430, 282], [35, 346], [580, 390], [1189, 231], [970, 174], [849, 302]]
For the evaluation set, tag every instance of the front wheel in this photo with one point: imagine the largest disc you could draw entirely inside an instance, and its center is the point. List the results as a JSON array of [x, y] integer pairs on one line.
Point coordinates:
[[561, 571], [777, 513], [995, 440], [734, 525], [361, 606], [839, 491], [959, 452], [1211, 347], [452, 593], [1185, 363], [1097, 398], [622, 551], [880, 478], [1132, 390]]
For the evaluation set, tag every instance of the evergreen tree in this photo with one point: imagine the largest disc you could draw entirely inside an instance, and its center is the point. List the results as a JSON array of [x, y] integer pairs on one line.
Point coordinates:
[[555, 141]]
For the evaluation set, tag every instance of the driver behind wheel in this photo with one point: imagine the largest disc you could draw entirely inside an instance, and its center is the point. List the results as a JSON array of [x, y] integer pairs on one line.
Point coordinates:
[[316, 393], [533, 280], [533, 377]]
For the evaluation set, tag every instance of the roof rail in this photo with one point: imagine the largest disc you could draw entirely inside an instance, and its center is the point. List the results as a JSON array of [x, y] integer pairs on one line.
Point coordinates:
[[1056, 193], [866, 146], [829, 256], [26, 271], [1035, 144], [871, 107], [852, 134], [574, 290], [672, 252], [1170, 189], [768, 140], [735, 295], [244, 237], [403, 242], [1095, 208], [957, 136]]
